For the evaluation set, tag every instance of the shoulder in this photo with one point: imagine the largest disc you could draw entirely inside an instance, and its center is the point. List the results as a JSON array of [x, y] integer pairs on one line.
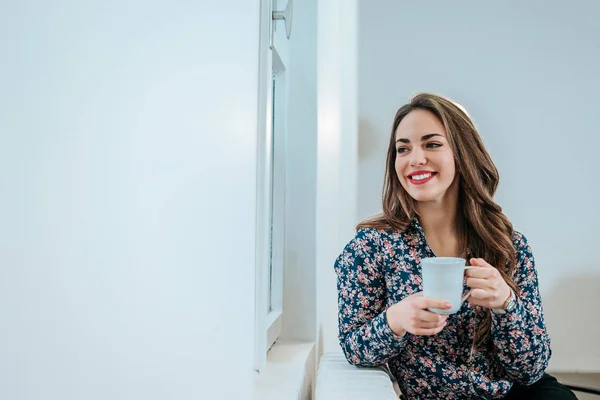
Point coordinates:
[[368, 243], [368, 240], [520, 242], [363, 253], [522, 247]]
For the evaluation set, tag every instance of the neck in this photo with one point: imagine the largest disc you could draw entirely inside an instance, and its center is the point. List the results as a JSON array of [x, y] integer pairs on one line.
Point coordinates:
[[439, 220]]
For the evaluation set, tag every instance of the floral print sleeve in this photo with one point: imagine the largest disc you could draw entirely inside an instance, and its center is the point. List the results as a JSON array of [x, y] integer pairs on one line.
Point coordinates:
[[520, 336], [364, 333]]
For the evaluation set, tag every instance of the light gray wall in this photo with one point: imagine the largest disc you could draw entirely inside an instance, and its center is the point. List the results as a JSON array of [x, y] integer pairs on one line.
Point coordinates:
[[528, 74], [299, 302], [337, 153], [127, 199]]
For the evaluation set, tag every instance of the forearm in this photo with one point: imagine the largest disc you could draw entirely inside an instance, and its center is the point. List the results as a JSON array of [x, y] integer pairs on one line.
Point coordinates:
[[372, 343], [522, 342]]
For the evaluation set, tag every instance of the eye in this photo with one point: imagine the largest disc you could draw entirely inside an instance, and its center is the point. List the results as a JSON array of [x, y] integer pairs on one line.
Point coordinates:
[[401, 150], [433, 145]]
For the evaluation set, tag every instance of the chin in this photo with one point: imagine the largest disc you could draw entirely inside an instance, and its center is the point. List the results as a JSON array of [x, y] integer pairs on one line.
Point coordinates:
[[424, 196]]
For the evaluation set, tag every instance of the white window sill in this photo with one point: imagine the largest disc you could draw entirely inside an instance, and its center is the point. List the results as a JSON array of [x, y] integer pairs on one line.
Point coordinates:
[[288, 374]]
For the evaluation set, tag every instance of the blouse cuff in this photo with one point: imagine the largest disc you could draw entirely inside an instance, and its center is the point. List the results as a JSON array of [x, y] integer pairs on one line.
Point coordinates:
[[509, 321], [386, 333]]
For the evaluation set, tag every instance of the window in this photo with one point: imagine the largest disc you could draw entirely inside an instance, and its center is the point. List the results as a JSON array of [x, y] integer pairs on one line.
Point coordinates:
[[271, 187], [277, 207]]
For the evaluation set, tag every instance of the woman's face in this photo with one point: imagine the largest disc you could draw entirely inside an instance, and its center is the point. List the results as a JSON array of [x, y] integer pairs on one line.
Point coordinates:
[[424, 160]]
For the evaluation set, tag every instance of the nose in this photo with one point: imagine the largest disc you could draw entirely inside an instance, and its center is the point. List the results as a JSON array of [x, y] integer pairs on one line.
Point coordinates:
[[417, 158]]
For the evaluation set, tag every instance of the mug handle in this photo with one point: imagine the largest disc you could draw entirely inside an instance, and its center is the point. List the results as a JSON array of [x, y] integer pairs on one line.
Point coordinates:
[[466, 296]]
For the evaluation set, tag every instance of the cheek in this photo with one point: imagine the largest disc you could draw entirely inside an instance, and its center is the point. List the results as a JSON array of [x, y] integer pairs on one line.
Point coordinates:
[[400, 167], [449, 165], [451, 169], [399, 172]]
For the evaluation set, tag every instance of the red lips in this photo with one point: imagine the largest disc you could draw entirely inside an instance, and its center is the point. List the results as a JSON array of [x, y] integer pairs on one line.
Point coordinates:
[[421, 181]]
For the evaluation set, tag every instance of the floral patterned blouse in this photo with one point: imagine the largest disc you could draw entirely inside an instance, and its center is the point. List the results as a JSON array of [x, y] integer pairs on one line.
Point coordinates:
[[379, 268]]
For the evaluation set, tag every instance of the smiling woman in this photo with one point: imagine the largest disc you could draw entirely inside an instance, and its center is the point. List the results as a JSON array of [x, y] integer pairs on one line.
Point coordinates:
[[438, 202]]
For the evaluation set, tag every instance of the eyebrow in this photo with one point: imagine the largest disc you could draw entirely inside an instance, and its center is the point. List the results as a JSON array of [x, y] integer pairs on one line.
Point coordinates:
[[423, 138]]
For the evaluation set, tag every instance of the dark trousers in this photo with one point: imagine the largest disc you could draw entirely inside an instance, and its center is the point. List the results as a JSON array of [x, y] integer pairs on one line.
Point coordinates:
[[547, 388]]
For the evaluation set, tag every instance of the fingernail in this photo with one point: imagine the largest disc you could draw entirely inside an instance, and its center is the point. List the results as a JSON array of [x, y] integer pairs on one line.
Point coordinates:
[[448, 305]]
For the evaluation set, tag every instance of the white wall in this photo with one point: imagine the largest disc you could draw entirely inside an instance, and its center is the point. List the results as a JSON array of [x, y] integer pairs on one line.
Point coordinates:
[[337, 153], [299, 303], [127, 206], [528, 74]]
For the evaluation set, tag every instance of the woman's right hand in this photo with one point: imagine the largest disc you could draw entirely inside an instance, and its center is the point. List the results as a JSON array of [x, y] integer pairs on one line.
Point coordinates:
[[412, 315]]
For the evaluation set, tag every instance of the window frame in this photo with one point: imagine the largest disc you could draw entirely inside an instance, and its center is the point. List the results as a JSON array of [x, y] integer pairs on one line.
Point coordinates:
[[271, 189]]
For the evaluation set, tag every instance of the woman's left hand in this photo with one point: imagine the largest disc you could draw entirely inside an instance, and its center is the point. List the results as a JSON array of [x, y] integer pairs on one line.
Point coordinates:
[[489, 289]]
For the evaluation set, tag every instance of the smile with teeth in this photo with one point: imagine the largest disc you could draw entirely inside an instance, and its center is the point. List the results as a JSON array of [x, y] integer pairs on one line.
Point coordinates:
[[420, 177]]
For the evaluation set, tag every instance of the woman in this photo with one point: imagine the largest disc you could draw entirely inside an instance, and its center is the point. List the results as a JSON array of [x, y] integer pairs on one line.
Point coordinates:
[[438, 201]]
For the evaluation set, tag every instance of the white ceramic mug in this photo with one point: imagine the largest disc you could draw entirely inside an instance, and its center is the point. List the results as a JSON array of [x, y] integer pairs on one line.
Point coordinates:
[[443, 279]]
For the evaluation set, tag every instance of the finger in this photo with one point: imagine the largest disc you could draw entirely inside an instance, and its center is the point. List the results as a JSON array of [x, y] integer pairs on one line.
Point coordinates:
[[429, 331], [480, 262], [480, 283], [428, 316], [430, 325], [480, 272], [480, 294], [427, 302], [481, 303]]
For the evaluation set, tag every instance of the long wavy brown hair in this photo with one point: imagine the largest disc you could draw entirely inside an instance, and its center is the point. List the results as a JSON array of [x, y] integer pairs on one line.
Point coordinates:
[[483, 228]]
